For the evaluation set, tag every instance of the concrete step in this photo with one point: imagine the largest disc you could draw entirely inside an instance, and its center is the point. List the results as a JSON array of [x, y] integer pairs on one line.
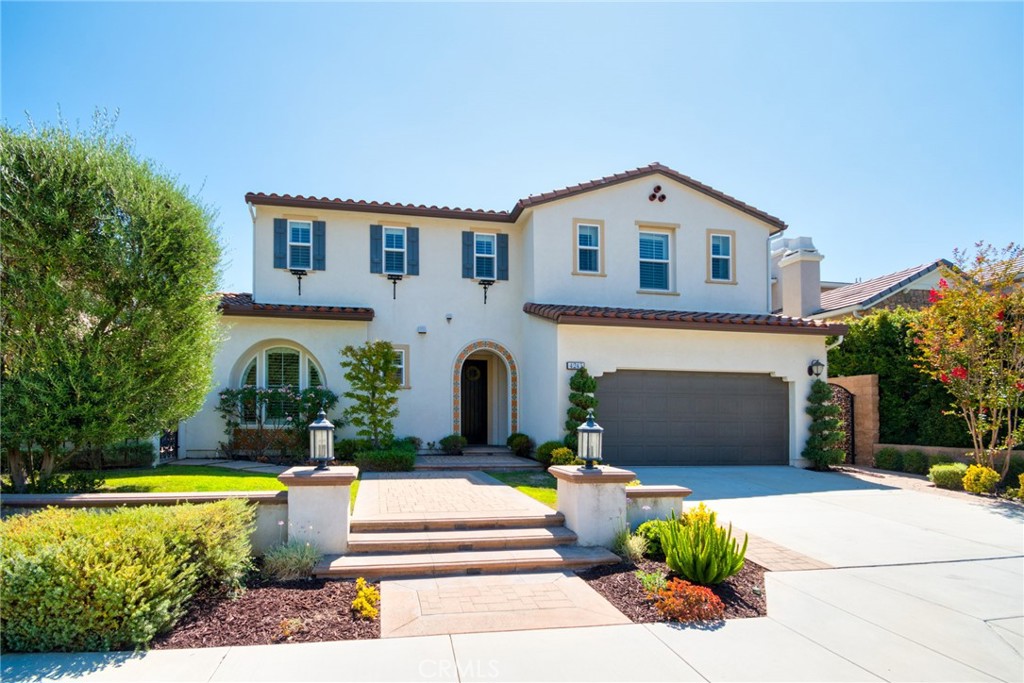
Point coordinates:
[[463, 563], [454, 523], [471, 539]]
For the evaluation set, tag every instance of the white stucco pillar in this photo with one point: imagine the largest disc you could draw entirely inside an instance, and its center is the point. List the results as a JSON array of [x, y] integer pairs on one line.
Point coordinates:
[[593, 502], [318, 502]]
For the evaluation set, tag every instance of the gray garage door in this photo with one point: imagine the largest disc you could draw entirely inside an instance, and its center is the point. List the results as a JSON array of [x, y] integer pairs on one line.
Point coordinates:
[[693, 418]]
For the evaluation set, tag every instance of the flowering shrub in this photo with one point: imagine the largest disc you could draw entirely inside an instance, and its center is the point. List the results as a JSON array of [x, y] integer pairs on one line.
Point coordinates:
[[258, 420], [681, 600], [979, 479], [367, 599]]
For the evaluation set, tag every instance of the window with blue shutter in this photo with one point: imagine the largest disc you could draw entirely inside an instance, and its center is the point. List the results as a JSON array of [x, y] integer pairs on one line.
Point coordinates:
[[300, 245], [280, 243], [502, 256], [394, 251], [467, 255], [412, 251]]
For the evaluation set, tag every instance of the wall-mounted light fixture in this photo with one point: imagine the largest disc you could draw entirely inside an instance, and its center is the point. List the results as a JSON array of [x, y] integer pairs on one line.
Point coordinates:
[[422, 329], [815, 368], [486, 284], [394, 278], [448, 318], [299, 274]]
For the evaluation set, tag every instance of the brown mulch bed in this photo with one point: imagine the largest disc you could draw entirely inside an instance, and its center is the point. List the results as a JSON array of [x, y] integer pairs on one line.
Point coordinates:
[[268, 613], [743, 594]]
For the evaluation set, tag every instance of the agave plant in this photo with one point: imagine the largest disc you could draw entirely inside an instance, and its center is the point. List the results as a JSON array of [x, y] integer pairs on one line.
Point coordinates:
[[701, 551]]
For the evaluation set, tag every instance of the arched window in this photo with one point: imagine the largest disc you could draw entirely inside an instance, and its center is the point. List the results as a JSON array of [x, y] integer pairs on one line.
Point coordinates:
[[280, 367]]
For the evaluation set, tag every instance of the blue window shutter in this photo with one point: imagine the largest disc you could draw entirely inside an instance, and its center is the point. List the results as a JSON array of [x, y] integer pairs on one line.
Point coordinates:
[[319, 245], [412, 251], [376, 249], [280, 243], [502, 256], [467, 254]]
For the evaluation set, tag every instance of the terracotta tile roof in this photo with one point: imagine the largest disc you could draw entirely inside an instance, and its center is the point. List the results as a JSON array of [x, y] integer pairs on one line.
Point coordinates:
[[242, 304], [864, 294], [512, 216], [691, 320]]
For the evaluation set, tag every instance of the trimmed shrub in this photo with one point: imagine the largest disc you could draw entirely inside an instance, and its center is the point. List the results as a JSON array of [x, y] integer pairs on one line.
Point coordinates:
[[889, 459], [682, 601], [413, 442], [915, 462], [128, 455], [73, 482], [949, 476], [544, 451], [651, 530], [520, 444], [564, 456], [76, 580], [453, 444], [292, 560], [392, 460], [700, 550], [346, 449], [980, 479]]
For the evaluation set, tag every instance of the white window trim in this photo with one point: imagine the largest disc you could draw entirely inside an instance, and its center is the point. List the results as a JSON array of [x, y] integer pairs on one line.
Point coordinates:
[[300, 244], [403, 251], [403, 352], [731, 258], [667, 261], [262, 362], [577, 248], [493, 256]]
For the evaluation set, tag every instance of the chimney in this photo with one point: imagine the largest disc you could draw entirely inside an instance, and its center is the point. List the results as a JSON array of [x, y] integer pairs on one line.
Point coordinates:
[[800, 277]]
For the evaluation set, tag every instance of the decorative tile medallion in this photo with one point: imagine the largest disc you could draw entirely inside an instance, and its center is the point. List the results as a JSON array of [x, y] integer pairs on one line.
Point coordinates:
[[513, 381]]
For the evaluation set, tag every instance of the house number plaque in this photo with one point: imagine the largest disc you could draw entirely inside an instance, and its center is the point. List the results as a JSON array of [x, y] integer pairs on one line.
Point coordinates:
[[575, 365]]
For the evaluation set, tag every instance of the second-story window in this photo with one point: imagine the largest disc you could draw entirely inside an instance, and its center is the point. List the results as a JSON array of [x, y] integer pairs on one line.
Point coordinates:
[[300, 245], [394, 250], [588, 243], [654, 261], [484, 252], [720, 257]]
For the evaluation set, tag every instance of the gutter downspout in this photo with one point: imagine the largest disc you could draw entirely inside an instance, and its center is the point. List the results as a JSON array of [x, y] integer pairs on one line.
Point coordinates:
[[768, 273]]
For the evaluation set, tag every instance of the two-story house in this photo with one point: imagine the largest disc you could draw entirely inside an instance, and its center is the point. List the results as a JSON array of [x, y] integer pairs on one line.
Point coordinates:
[[659, 284]]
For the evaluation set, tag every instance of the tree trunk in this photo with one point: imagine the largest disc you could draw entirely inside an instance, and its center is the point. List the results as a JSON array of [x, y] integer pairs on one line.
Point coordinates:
[[19, 473]]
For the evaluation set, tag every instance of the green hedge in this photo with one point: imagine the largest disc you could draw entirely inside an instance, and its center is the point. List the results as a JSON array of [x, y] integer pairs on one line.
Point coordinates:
[[393, 460], [889, 459], [76, 580], [130, 455], [948, 476]]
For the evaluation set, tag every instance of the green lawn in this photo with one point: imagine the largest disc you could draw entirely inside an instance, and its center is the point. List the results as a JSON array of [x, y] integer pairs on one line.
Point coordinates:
[[540, 486], [187, 478]]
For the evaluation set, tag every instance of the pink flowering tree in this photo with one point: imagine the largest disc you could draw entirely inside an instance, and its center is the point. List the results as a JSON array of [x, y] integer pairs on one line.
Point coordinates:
[[971, 339]]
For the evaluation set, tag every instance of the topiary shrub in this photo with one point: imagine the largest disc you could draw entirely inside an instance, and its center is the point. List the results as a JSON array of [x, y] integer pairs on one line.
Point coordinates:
[[453, 444], [581, 399], [915, 462], [544, 451], [520, 444], [392, 460], [564, 456], [950, 476], [292, 560], [76, 580], [682, 601], [889, 459], [825, 433], [700, 550], [980, 479]]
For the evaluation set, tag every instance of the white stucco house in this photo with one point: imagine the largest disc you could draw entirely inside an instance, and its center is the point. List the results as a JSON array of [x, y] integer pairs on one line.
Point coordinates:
[[659, 284]]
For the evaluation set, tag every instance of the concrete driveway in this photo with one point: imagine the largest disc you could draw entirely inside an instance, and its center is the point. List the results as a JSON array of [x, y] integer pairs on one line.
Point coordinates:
[[926, 587]]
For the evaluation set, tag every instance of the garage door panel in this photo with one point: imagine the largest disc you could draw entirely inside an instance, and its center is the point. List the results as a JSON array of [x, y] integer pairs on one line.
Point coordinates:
[[687, 418]]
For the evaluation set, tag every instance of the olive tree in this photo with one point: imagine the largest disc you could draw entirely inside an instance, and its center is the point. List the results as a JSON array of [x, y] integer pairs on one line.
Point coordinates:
[[108, 311]]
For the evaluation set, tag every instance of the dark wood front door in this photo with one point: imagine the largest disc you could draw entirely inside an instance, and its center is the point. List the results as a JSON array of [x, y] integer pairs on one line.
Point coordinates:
[[474, 401]]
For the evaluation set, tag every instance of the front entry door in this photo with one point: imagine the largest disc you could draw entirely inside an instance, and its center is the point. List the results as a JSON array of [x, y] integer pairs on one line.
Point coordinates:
[[474, 401]]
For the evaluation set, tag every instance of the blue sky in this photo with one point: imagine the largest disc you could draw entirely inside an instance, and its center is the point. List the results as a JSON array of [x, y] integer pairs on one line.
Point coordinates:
[[890, 133]]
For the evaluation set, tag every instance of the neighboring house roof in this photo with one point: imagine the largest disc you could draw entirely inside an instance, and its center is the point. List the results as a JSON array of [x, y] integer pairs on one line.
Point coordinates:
[[511, 216], [242, 304], [638, 317], [865, 294]]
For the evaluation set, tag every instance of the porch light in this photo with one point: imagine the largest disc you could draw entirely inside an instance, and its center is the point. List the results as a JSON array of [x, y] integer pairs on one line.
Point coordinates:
[[815, 368], [321, 440], [588, 438]]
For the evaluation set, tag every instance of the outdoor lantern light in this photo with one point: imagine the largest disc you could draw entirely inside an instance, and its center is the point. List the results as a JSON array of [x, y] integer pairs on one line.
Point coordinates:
[[815, 368], [588, 438], [321, 440]]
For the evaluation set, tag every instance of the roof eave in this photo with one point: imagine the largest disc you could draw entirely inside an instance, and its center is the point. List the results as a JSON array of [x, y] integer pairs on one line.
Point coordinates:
[[377, 208], [355, 316]]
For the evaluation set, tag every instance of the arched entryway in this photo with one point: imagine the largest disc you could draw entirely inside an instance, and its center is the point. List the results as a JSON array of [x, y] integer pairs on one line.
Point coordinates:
[[485, 393]]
